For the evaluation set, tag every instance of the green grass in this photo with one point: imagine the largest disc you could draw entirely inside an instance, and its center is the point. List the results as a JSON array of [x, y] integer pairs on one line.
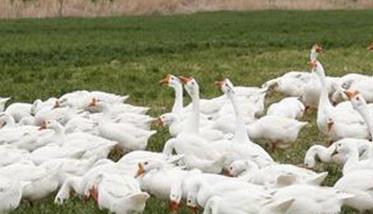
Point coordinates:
[[128, 55]]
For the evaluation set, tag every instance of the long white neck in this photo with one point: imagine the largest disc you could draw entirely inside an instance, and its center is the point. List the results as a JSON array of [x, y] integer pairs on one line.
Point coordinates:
[[240, 134], [178, 104], [323, 153], [365, 114], [324, 103], [193, 123], [352, 160]]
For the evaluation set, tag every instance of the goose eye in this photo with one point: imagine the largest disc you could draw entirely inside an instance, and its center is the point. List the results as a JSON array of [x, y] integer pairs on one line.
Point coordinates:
[[189, 201], [357, 98], [146, 163], [231, 168]]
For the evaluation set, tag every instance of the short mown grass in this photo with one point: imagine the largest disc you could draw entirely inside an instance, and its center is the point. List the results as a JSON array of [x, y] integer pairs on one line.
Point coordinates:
[[129, 55]]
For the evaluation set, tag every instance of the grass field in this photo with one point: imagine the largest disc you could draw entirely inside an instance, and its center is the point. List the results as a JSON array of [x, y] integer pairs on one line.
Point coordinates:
[[43, 58]]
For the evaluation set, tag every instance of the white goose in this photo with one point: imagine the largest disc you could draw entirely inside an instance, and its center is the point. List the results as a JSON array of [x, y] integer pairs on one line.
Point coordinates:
[[241, 138], [308, 200], [280, 131], [353, 162], [119, 194], [336, 122], [10, 194], [289, 107], [276, 175], [358, 183]]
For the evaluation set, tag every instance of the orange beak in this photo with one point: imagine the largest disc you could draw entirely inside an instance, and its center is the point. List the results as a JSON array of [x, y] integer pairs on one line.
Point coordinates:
[[159, 122], [370, 47], [194, 209], [330, 126], [318, 48], [185, 80], [174, 206], [140, 170], [94, 193], [350, 94], [312, 64], [166, 80], [219, 83], [93, 103], [227, 173], [57, 104], [43, 126]]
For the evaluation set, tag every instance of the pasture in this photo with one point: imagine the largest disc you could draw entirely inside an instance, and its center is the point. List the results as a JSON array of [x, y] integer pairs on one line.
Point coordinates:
[[129, 55]]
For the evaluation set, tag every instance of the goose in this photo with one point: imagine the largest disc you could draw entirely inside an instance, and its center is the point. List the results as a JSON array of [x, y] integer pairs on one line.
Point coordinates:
[[289, 107], [280, 131], [189, 141], [119, 194], [344, 83], [312, 89], [308, 200], [201, 190], [19, 110], [358, 183], [338, 118], [175, 83], [352, 153], [290, 84], [41, 180], [134, 139], [86, 185], [61, 114], [276, 175], [10, 194], [70, 167], [207, 106], [33, 142], [240, 135], [327, 154], [39, 105], [364, 87], [156, 177], [237, 202], [360, 105], [97, 105]]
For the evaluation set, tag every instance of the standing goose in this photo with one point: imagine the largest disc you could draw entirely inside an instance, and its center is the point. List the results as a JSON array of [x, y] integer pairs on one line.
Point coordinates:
[[336, 122]]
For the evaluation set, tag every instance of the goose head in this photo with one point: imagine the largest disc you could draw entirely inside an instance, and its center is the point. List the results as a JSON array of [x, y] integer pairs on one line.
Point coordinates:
[[171, 81], [344, 149], [166, 119], [237, 167], [190, 85], [226, 87], [146, 166], [357, 100], [51, 124], [315, 51], [97, 105]]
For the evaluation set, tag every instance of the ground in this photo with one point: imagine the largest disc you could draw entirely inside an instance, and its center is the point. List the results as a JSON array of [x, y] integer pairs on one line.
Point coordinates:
[[129, 55]]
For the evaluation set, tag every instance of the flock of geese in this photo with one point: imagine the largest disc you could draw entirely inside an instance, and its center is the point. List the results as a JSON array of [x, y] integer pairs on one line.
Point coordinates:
[[211, 160]]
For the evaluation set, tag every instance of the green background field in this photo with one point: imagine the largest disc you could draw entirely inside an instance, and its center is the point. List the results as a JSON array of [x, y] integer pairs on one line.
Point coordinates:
[[129, 55]]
